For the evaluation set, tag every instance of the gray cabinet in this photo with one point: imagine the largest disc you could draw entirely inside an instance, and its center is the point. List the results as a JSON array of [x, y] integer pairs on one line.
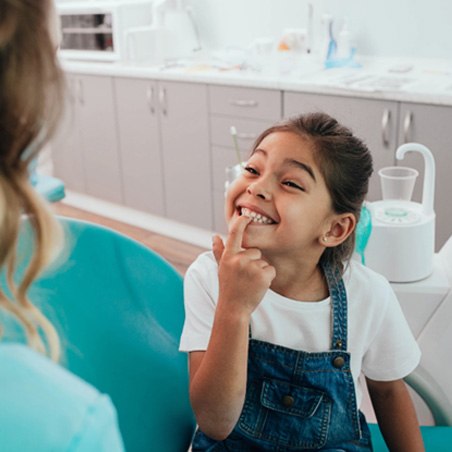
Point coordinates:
[[139, 142], [428, 124], [250, 111], [164, 144], [374, 121], [140, 149], [86, 150], [184, 133]]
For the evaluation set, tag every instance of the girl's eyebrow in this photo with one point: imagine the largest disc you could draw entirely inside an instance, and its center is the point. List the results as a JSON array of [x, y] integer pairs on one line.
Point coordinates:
[[291, 162], [260, 150], [302, 166]]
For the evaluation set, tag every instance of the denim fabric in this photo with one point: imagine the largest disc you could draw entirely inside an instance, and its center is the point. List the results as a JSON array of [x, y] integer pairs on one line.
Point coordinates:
[[297, 400]]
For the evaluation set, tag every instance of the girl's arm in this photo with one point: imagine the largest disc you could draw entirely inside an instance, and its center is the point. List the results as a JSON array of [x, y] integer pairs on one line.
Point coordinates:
[[218, 375], [396, 415], [218, 378]]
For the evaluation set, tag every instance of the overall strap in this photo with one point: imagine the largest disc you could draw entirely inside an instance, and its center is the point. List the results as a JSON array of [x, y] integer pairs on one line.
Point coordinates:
[[338, 297]]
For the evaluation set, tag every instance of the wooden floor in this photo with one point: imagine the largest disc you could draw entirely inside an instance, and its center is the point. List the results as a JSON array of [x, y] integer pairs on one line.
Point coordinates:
[[179, 254]]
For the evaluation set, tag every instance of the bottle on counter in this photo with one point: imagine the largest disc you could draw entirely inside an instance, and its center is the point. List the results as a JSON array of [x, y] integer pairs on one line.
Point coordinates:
[[344, 47]]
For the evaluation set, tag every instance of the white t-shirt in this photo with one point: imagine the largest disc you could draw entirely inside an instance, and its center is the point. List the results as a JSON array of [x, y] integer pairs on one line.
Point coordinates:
[[380, 341]]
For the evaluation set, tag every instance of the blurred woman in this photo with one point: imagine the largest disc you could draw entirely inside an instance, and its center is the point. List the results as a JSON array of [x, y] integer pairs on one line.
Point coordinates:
[[42, 406]]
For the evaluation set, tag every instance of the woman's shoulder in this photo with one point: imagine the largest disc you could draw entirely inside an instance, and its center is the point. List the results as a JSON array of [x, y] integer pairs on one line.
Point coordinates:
[[21, 364], [39, 396]]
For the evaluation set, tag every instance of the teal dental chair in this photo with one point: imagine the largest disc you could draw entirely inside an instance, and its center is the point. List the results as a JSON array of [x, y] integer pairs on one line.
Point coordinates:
[[118, 307], [50, 188], [437, 438]]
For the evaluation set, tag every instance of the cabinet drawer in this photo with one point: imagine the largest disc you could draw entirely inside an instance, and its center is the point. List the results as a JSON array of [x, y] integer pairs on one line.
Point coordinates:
[[245, 102], [247, 132]]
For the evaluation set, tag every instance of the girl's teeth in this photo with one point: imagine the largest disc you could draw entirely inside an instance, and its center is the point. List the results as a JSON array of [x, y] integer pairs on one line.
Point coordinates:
[[256, 217]]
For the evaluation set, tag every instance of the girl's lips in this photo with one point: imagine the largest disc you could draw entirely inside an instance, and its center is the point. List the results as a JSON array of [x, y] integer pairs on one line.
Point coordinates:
[[256, 216]]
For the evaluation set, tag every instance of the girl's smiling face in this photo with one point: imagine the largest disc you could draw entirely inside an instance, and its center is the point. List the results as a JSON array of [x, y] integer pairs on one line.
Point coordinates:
[[282, 189]]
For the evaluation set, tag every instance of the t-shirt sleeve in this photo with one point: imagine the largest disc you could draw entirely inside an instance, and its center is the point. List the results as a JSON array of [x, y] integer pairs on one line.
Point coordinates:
[[200, 294], [393, 353]]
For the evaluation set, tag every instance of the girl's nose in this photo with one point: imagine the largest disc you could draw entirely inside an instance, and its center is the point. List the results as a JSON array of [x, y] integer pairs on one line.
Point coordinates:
[[258, 190]]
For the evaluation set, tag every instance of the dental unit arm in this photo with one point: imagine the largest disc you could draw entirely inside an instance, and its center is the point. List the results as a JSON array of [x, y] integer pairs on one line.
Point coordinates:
[[429, 176]]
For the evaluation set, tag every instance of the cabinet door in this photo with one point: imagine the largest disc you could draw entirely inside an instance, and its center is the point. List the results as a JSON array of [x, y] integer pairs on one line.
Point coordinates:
[[428, 125], [374, 121], [67, 155], [98, 130], [141, 161], [185, 147]]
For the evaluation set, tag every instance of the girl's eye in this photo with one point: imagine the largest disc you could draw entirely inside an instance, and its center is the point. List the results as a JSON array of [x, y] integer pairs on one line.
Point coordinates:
[[293, 185], [250, 170]]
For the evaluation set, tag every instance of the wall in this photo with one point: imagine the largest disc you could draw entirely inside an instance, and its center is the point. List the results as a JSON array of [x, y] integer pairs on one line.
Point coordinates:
[[386, 28]]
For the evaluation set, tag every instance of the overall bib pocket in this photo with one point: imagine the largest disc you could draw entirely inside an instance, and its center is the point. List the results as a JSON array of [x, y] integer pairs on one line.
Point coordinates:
[[286, 415]]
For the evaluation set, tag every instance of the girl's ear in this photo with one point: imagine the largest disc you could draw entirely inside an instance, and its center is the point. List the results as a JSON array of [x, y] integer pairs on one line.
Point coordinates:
[[340, 229]]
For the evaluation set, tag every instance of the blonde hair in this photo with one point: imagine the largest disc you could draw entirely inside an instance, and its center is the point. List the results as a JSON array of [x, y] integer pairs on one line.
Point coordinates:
[[31, 89]]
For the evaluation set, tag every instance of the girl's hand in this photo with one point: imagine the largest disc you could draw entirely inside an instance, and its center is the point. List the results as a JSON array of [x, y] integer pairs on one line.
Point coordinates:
[[244, 276]]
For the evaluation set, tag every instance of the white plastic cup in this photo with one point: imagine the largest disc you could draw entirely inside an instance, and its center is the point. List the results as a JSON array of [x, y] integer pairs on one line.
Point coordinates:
[[397, 182]]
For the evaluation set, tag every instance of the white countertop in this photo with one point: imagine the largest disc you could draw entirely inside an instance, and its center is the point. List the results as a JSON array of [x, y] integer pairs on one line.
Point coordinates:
[[421, 81]]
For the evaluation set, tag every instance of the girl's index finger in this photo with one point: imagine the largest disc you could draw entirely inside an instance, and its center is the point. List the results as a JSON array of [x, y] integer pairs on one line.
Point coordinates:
[[235, 236]]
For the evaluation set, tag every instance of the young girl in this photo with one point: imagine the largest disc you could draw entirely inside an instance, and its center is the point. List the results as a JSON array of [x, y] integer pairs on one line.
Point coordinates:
[[280, 323]]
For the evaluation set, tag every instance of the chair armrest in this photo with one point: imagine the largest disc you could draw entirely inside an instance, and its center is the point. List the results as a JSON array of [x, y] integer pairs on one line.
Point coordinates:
[[429, 390]]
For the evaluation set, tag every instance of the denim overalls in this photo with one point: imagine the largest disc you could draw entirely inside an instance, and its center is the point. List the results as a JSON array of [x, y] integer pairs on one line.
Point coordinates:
[[297, 400]]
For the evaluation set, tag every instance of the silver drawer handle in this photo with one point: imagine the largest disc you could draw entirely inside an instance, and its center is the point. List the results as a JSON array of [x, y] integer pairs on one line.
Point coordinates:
[[244, 103], [385, 127], [407, 126], [150, 97], [163, 101], [246, 136]]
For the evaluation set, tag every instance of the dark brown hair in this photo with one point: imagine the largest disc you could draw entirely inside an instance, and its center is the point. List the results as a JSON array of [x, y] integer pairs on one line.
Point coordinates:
[[346, 166], [31, 89]]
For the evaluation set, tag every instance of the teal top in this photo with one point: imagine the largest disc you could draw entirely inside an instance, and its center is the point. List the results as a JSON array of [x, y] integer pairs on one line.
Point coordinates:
[[43, 407]]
